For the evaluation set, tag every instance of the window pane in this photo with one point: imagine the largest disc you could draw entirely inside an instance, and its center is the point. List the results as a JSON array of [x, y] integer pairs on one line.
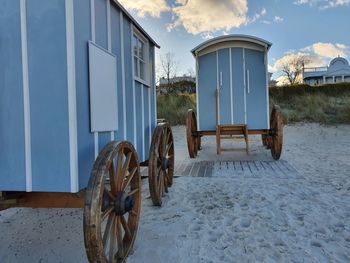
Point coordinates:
[[141, 50], [142, 70], [136, 71], [135, 45]]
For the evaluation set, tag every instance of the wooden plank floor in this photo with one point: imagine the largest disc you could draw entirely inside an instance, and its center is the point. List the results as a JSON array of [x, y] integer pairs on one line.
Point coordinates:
[[255, 169]]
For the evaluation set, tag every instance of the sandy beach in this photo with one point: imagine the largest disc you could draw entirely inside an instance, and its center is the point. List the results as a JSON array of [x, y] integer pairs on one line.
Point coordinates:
[[224, 218]]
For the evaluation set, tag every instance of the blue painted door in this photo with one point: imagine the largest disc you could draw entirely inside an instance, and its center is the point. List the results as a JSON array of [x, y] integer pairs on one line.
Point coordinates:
[[238, 88], [225, 99], [207, 85], [256, 90]]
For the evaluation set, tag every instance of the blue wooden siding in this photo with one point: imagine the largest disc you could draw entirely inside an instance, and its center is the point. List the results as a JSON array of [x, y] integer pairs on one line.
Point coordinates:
[[86, 155], [153, 90], [207, 84], [129, 78], [12, 161], [238, 85], [102, 41], [225, 90], [116, 50], [48, 95], [138, 100], [146, 131], [256, 98], [47, 54]]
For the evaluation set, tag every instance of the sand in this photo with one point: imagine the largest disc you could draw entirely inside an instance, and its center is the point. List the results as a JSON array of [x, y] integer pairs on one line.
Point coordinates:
[[224, 218]]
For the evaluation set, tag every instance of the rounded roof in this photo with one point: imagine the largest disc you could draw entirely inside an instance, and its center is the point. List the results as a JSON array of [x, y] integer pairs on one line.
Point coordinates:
[[339, 59], [234, 37]]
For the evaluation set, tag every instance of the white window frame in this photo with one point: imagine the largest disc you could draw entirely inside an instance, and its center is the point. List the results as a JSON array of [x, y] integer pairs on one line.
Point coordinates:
[[136, 33]]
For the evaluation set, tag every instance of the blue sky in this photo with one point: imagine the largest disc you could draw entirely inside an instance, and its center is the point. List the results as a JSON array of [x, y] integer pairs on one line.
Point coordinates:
[[317, 28]]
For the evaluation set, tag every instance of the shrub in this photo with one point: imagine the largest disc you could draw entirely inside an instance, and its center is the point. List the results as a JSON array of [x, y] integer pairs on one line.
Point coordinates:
[[174, 107]]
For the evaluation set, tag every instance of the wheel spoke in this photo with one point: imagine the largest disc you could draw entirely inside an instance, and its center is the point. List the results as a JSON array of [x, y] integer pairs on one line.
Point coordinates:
[[168, 136], [120, 179], [160, 182], [133, 192], [165, 182], [112, 242], [112, 178], [133, 213], [168, 149], [110, 195], [164, 142], [125, 226], [131, 175], [106, 213], [126, 164], [108, 229], [119, 238]]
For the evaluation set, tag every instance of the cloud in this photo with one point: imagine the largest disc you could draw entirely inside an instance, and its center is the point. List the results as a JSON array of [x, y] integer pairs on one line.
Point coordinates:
[[278, 19], [203, 16], [328, 50], [318, 55], [323, 4], [143, 8], [256, 17]]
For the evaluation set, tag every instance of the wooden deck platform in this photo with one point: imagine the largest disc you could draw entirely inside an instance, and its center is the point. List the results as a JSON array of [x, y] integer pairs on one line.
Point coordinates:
[[256, 169]]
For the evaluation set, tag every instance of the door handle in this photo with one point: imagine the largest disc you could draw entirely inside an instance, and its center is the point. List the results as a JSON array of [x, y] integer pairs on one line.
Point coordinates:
[[220, 79]]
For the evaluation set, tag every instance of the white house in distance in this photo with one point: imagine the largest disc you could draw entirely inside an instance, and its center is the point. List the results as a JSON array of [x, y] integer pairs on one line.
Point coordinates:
[[337, 71]]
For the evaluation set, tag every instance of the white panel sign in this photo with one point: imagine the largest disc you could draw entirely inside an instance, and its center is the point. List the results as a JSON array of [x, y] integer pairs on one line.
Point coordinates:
[[103, 89]]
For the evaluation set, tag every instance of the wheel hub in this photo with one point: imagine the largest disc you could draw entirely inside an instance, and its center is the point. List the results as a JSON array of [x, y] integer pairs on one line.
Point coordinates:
[[165, 164], [123, 203]]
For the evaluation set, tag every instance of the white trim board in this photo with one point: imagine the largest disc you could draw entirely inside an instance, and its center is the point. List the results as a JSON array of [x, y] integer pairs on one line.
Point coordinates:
[[93, 40], [133, 87], [92, 18], [155, 89], [149, 117], [143, 121], [26, 98], [267, 91], [197, 91], [109, 43], [72, 101], [109, 30], [123, 71]]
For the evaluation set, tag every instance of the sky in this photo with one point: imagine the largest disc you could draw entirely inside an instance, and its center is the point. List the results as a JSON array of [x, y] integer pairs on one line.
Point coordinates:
[[319, 29]]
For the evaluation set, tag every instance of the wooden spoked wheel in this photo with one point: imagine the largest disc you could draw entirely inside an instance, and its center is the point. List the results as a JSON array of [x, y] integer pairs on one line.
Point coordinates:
[[161, 162], [193, 143], [112, 204], [276, 126]]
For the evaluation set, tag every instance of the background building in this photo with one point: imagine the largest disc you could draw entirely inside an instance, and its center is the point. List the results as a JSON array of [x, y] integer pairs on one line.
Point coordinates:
[[337, 71], [184, 84]]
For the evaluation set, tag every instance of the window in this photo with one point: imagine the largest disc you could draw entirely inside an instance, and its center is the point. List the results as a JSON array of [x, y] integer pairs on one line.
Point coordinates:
[[140, 46]]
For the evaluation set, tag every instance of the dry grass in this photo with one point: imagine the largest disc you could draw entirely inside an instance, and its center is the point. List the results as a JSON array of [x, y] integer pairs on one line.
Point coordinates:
[[328, 104], [174, 107]]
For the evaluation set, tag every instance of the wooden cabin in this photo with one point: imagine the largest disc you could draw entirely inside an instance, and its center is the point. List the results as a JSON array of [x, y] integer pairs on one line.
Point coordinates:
[[232, 86]]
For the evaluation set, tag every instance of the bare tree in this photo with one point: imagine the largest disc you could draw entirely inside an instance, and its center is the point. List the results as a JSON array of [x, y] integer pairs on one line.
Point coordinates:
[[294, 67], [168, 68], [191, 73]]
